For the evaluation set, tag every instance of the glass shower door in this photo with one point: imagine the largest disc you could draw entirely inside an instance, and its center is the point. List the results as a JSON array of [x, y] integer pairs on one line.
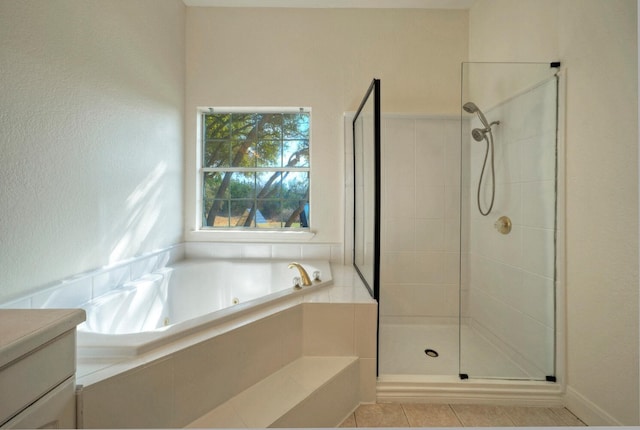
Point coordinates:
[[508, 220], [366, 170]]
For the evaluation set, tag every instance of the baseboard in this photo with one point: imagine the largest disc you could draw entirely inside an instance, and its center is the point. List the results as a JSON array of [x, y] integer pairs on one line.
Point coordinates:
[[590, 413], [453, 390]]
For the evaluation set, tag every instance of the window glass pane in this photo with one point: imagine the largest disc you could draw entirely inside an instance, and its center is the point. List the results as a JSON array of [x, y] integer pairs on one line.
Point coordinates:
[[268, 185], [296, 125], [268, 153], [243, 185], [221, 217], [243, 126], [295, 153], [216, 153], [214, 195], [295, 186], [217, 126], [295, 213], [242, 213], [268, 213], [270, 126], [295, 192], [242, 154]]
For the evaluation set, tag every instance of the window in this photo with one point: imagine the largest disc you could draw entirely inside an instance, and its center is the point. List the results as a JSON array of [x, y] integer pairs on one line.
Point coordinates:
[[255, 169]]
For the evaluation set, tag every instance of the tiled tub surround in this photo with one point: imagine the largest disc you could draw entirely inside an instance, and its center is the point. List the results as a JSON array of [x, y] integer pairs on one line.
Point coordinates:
[[178, 383], [81, 288], [184, 381]]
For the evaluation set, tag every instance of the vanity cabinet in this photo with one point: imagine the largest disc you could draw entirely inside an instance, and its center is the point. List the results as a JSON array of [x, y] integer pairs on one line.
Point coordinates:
[[37, 367]]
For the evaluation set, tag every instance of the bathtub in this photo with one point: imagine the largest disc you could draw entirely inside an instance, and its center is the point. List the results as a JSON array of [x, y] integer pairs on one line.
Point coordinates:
[[184, 298]]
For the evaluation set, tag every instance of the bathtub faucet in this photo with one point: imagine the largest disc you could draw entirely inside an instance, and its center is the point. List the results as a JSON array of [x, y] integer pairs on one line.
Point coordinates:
[[306, 281]]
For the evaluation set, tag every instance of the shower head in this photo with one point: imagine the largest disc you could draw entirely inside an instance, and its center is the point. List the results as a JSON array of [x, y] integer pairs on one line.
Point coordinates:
[[470, 107], [479, 134]]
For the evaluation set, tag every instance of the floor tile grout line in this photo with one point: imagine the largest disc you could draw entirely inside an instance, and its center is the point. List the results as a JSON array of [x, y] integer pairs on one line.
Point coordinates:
[[405, 414], [572, 414], [506, 413], [456, 415], [513, 421]]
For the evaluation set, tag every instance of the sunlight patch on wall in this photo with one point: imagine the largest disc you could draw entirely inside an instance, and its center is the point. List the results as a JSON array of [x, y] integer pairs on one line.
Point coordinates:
[[143, 205]]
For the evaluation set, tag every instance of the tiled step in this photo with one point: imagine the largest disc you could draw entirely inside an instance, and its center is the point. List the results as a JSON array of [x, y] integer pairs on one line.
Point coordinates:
[[309, 392]]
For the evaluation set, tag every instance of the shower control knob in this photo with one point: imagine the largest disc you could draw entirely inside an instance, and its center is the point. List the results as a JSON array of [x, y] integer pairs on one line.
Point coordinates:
[[503, 225]]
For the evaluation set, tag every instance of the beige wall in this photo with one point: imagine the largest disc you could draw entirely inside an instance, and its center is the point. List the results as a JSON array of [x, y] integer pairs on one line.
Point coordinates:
[[91, 118], [324, 59], [597, 43], [513, 30]]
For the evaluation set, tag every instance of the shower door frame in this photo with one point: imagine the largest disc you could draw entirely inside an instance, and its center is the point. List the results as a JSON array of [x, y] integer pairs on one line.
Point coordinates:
[[372, 91], [374, 290]]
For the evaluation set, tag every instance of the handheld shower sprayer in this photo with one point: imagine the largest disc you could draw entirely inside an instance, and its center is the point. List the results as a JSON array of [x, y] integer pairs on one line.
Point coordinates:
[[480, 134], [470, 107]]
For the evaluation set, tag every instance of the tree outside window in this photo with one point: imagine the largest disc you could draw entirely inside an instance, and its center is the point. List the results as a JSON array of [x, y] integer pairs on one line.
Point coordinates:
[[255, 169]]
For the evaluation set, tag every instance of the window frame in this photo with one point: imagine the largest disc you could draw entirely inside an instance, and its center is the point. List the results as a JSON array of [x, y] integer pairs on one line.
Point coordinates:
[[248, 233]]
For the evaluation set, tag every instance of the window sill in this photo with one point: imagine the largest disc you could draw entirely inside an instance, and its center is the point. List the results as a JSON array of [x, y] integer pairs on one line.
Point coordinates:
[[268, 236]]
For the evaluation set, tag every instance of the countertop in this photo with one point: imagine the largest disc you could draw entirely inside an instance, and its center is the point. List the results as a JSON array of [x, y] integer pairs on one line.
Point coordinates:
[[24, 330]]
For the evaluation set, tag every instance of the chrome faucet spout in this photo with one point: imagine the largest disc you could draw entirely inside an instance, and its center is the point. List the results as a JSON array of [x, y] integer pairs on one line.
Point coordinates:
[[306, 281]]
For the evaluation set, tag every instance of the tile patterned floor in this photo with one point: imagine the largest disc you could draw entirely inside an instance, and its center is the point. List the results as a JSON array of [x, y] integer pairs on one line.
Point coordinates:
[[442, 415]]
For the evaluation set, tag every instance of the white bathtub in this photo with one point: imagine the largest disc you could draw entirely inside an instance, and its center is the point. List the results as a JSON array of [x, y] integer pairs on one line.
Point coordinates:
[[184, 298]]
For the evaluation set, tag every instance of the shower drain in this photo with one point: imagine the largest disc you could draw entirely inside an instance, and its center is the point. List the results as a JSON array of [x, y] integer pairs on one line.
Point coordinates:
[[431, 352]]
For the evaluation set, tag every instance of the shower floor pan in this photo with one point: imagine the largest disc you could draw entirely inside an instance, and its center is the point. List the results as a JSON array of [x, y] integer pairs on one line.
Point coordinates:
[[408, 373], [402, 352]]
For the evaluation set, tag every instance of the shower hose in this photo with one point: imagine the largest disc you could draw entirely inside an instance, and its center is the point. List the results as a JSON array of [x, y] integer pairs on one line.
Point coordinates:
[[489, 141]]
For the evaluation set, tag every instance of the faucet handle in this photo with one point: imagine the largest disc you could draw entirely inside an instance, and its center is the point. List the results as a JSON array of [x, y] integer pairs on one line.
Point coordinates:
[[316, 276], [297, 282]]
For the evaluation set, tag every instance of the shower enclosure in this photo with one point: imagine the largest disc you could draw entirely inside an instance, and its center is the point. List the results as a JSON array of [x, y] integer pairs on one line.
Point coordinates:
[[469, 231]]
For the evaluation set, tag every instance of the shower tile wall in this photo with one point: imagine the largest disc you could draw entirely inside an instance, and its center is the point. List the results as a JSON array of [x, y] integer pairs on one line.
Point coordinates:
[[508, 285], [420, 219]]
